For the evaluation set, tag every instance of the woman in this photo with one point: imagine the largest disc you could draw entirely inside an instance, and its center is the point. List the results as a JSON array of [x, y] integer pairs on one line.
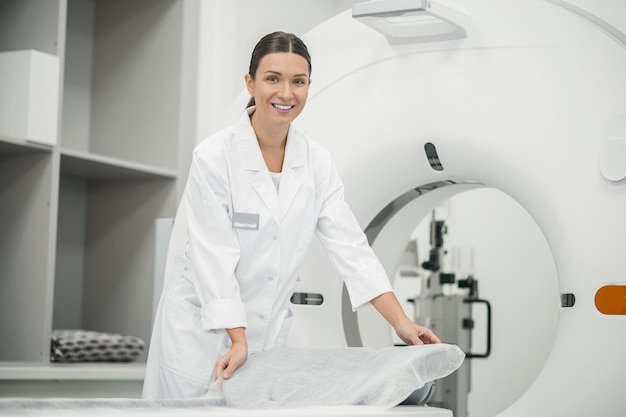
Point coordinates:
[[256, 193]]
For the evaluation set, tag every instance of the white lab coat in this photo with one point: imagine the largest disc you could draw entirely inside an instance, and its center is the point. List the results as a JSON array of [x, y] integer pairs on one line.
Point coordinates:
[[246, 241]]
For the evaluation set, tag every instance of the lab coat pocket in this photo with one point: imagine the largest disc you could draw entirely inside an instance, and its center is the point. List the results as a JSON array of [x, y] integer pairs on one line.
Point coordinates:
[[187, 350], [281, 339]]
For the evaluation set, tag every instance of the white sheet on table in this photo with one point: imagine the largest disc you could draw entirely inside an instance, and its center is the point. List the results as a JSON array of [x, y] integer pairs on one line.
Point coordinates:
[[296, 377]]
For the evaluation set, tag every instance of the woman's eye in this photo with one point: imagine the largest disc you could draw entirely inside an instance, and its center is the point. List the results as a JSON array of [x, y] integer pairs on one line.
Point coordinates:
[[300, 82], [272, 79]]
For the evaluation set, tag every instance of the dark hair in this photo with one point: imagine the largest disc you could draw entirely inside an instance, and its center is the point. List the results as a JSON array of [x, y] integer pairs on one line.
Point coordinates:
[[276, 42]]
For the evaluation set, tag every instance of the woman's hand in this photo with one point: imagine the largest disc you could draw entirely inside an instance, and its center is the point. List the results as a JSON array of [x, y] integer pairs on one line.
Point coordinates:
[[414, 334], [410, 333], [236, 355]]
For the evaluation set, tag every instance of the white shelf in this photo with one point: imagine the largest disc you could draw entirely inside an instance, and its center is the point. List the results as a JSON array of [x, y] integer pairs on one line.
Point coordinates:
[[72, 371], [93, 166], [14, 145]]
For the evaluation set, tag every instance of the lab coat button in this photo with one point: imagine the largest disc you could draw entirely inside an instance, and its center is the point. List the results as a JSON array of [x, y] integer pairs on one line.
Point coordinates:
[[261, 316], [275, 237], [271, 278]]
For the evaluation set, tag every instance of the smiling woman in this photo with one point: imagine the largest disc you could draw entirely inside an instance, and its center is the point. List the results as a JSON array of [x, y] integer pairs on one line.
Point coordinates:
[[279, 85], [278, 81], [257, 191]]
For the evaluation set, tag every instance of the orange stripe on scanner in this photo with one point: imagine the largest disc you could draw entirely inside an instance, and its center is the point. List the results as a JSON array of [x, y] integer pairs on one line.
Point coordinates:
[[611, 299]]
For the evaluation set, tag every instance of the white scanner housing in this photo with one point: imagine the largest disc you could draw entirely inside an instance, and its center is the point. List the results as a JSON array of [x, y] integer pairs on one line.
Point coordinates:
[[528, 97]]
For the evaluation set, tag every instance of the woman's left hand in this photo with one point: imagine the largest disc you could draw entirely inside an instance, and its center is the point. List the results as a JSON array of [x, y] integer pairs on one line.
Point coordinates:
[[414, 334]]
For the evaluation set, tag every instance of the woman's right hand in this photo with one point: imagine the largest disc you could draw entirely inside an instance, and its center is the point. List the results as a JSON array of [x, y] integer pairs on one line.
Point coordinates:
[[236, 355]]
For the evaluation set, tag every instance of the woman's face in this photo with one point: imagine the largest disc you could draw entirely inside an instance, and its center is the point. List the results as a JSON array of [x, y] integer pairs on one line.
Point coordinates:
[[280, 87]]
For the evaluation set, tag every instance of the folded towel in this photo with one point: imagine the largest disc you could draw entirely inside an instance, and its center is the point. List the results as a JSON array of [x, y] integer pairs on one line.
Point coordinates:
[[88, 346]]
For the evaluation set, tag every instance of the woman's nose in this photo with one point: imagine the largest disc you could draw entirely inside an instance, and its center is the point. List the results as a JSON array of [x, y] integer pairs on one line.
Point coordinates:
[[285, 90]]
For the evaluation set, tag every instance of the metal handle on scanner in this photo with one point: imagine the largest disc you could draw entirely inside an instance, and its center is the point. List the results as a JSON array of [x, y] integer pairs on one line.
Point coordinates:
[[472, 298]]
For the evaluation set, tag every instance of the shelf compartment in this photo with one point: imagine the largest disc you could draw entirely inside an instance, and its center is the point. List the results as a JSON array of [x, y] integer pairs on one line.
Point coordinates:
[[105, 252], [122, 88], [25, 262]]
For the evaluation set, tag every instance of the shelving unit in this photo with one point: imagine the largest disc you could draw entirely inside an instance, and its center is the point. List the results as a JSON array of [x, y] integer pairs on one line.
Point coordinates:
[[77, 217]]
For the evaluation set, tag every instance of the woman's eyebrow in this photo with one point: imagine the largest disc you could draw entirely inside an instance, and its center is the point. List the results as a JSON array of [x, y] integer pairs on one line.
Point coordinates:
[[279, 73]]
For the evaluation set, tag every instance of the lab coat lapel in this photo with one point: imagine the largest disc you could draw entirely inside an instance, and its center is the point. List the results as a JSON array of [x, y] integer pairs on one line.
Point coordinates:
[[291, 181], [262, 183], [252, 160]]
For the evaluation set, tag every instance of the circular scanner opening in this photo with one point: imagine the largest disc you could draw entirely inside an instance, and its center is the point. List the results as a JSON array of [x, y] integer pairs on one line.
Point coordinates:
[[504, 249]]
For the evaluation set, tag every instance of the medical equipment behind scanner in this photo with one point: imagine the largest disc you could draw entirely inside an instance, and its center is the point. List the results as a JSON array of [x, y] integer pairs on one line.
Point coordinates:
[[448, 311]]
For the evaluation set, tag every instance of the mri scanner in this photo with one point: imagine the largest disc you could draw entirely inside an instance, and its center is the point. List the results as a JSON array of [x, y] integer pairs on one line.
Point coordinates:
[[421, 100]]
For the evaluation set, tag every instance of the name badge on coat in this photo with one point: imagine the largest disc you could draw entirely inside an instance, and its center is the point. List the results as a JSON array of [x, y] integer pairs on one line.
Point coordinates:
[[248, 221]]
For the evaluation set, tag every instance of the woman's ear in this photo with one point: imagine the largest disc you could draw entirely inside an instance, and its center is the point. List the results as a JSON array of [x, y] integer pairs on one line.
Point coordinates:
[[249, 84]]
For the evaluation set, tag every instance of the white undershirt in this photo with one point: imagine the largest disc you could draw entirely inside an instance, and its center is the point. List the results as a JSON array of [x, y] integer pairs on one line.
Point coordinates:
[[276, 178]]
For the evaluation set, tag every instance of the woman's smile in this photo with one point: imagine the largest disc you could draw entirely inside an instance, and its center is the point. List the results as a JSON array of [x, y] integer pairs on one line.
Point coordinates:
[[284, 108]]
